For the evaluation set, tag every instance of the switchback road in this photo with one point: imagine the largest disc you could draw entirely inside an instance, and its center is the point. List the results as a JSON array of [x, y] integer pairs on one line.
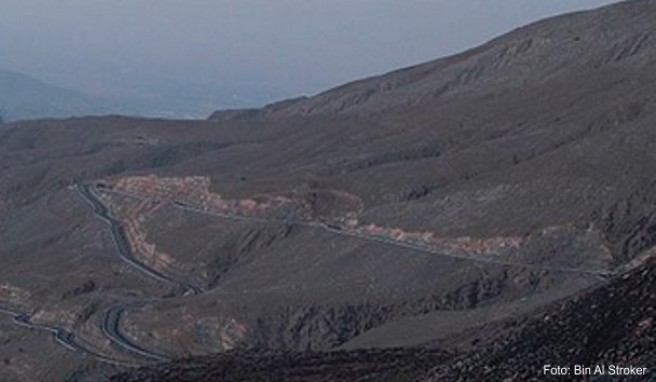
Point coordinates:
[[111, 322], [378, 239], [62, 336]]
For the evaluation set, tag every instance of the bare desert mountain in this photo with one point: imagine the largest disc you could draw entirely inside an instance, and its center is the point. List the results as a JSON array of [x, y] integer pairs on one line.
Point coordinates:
[[440, 222]]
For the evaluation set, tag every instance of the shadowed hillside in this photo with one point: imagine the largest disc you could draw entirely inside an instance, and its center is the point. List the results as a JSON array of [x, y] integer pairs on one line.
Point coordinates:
[[612, 325]]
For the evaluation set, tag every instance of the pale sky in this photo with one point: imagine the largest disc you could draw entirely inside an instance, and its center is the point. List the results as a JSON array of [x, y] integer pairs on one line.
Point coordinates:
[[256, 50]]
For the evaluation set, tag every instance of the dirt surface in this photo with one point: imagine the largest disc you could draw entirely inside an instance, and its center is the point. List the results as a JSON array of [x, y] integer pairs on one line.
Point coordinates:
[[440, 212]]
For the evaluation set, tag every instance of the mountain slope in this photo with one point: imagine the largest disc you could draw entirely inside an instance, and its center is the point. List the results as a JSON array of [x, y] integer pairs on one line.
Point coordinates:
[[612, 325], [582, 44], [392, 220], [23, 97]]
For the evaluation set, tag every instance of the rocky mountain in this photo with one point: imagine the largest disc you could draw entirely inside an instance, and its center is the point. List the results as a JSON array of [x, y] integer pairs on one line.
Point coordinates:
[[442, 222], [611, 326], [551, 52]]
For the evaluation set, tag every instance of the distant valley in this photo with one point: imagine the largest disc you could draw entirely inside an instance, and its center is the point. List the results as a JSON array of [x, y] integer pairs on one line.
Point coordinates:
[[23, 97]]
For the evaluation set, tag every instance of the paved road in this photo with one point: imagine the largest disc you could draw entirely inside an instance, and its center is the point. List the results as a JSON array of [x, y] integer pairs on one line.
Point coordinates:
[[119, 237], [111, 327], [380, 240], [61, 335], [111, 323], [123, 248], [488, 260]]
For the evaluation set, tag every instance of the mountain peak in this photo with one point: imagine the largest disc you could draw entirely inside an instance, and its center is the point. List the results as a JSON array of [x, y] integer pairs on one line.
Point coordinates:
[[611, 39]]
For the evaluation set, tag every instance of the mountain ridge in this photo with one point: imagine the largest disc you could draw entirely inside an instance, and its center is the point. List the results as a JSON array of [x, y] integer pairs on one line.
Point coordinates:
[[24, 97], [494, 63], [437, 231]]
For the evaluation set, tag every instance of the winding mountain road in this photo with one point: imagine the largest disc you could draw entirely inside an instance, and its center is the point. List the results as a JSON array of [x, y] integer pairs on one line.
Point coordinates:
[[62, 336], [378, 239], [111, 322], [117, 233], [111, 328]]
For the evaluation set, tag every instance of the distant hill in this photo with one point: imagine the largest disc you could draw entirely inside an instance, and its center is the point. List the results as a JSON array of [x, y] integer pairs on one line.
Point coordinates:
[[24, 97]]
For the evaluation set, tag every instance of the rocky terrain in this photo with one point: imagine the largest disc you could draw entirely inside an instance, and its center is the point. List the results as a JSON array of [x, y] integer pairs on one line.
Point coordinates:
[[469, 218], [611, 325], [364, 365]]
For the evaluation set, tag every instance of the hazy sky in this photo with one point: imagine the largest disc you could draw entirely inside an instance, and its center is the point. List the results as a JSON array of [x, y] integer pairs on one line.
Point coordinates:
[[256, 49]]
